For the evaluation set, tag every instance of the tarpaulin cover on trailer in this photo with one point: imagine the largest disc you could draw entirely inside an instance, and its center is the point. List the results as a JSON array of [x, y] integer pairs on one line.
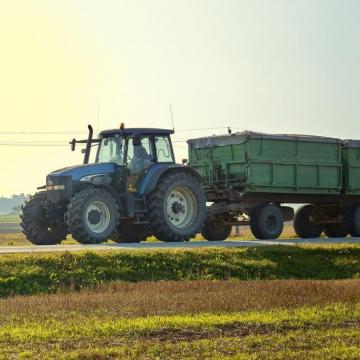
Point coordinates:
[[241, 137]]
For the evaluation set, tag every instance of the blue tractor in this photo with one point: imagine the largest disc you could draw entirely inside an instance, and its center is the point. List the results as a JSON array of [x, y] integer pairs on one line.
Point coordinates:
[[134, 189]]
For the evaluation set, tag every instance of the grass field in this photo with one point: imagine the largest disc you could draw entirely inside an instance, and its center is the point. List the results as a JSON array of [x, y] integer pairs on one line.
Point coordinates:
[[242, 303], [40, 273], [190, 319], [10, 218]]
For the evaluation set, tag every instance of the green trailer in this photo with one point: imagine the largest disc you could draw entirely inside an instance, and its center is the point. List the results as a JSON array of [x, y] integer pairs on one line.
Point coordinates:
[[351, 160], [248, 176]]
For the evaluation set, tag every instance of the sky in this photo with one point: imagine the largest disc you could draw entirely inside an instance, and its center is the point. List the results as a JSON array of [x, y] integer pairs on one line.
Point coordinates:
[[275, 66]]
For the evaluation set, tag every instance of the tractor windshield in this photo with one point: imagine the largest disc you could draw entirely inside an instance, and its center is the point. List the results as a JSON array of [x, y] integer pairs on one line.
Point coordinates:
[[111, 149]]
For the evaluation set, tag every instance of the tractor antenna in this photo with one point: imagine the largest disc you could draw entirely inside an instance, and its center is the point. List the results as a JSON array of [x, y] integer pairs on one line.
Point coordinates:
[[172, 116], [98, 114]]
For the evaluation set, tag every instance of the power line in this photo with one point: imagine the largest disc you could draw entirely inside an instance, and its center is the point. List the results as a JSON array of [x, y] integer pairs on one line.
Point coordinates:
[[58, 143], [42, 132], [200, 129], [84, 132], [32, 145]]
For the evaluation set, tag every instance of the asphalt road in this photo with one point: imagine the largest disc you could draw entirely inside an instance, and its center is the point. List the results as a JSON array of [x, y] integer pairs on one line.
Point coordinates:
[[161, 245], [9, 227]]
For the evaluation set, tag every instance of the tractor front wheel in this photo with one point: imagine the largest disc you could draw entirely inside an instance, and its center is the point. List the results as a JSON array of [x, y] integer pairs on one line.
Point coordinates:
[[36, 227], [177, 207], [92, 216]]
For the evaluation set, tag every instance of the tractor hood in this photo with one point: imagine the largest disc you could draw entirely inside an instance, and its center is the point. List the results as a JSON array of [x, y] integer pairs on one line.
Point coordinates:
[[79, 171]]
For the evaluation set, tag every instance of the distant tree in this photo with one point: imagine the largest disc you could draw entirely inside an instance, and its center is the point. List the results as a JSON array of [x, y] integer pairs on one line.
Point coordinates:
[[11, 204], [16, 209]]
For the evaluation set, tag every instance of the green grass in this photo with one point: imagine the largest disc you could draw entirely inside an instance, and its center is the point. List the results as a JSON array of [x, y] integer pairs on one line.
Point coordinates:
[[15, 218], [320, 332], [46, 273]]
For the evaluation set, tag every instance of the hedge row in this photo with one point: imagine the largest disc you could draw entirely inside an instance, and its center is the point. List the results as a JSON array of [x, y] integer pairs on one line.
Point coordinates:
[[44, 273]]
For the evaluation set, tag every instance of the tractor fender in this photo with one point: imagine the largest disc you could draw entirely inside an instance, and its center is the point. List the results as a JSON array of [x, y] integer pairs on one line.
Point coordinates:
[[108, 188], [156, 171]]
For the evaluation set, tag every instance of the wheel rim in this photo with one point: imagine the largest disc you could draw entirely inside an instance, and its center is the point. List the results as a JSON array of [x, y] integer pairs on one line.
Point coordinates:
[[181, 207], [97, 217], [271, 223]]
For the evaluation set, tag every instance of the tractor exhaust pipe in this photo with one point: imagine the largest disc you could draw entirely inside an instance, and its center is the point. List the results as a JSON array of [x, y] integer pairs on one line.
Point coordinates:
[[88, 145]]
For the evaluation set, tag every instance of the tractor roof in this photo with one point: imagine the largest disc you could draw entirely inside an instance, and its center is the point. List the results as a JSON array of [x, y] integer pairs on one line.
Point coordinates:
[[132, 131]]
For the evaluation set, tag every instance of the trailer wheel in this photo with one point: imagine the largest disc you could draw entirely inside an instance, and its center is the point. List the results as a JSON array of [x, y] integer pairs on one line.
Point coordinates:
[[92, 216], [266, 222], [36, 227], [177, 207], [336, 231], [128, 232], [303, 226], [354, 221], [216, 229]]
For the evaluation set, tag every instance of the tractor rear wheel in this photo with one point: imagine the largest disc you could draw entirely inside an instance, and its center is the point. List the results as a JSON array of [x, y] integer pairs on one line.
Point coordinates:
[[303, 225], [216, 229], [128, 232], [92, 216], [266, 222], [177, 207], [36, 227]]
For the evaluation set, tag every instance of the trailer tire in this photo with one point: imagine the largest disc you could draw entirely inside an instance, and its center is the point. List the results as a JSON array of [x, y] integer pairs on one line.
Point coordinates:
[[266, 222], [92, 216], [302, 224], [37, 229], [128, 232], [336, 230], [354, 221], [177, 207], [216, 229]]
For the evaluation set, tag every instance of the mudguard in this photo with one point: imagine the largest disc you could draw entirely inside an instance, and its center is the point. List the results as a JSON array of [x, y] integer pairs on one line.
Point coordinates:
[[154, 173]]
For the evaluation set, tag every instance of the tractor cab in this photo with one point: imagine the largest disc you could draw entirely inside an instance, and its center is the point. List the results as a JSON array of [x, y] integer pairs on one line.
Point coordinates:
[[135, 150]]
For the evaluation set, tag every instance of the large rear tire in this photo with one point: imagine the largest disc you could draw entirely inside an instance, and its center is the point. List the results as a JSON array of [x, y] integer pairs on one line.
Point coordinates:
[[303, 226], [36, 227], [177, 207], [354, 221], [129, 232], [216, 229], [92, 216], [266, 222]]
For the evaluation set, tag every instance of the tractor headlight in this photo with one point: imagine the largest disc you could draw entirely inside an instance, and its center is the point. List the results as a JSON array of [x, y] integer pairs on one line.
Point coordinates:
[[97, 179], [55, 187]]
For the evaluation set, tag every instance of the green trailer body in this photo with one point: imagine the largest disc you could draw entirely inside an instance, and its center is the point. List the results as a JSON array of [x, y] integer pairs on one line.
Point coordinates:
[[351, 160], [249, 177], [262, 163]]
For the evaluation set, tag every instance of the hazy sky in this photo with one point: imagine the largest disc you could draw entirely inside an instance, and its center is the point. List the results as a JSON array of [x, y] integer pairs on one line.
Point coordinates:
[[273, 66]]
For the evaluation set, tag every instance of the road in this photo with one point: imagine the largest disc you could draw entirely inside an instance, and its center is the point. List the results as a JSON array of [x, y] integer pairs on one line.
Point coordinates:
[[9, 227], [180, 245]]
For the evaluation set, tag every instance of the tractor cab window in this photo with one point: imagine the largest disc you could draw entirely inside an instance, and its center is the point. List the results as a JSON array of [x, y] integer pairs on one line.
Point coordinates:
[[139, 154], [111, 149], [163, 149]]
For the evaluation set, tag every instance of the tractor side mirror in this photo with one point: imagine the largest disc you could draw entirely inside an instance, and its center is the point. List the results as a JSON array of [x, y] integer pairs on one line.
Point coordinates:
[[184, 161], [73, 143]]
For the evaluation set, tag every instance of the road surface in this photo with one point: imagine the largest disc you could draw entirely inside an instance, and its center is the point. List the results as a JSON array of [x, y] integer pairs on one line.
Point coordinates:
[[161, 245], [10, 227]]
